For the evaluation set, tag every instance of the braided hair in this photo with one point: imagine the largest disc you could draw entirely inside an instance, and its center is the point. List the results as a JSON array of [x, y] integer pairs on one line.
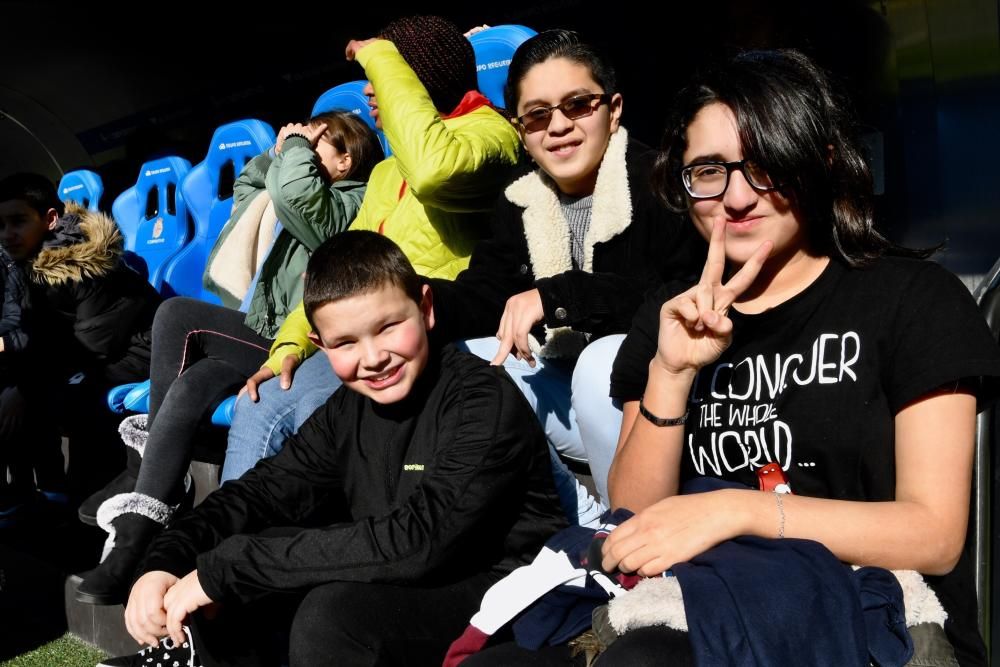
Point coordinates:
[[439, 54]]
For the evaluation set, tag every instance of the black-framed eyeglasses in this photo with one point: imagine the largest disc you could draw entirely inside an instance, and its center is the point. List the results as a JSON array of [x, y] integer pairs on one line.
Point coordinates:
[[574, 108], [705, 180]]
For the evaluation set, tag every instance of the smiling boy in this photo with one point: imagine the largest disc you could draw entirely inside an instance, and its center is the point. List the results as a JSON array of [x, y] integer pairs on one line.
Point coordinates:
[[417, 485]]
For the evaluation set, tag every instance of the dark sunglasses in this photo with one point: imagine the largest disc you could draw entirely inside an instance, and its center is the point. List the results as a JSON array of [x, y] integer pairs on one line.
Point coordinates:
[[574, 108]]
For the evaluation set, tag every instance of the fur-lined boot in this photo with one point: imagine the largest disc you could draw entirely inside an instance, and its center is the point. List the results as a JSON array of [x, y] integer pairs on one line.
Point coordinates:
[[132, 521]]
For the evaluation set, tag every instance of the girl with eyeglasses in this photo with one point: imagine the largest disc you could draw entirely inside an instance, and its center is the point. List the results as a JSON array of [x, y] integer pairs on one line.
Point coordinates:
[[575, 244], [813, 359]]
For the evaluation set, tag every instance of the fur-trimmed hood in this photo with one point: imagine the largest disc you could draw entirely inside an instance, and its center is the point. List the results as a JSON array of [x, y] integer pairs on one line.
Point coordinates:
[[548, 235], [64, 260]]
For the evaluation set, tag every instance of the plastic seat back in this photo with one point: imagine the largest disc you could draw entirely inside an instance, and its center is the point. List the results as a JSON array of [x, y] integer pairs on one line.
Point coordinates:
[[117, 396], [223, 414], [208, 191], [134, 397], [82, 186], [349, 97], [153, 217], [494, 47]]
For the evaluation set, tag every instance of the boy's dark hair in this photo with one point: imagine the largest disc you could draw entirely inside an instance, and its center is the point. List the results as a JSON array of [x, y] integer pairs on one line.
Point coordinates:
[[555, 44], [346, 132], [35, 190], [356, 262], [793, 123]]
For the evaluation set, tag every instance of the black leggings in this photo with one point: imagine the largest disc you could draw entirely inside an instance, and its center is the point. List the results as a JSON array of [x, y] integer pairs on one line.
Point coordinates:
[[201, 354], [343, 623]]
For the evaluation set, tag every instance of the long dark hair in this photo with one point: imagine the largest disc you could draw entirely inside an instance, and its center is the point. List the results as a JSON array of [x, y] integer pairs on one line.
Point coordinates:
[[555, 44], [792, 123]]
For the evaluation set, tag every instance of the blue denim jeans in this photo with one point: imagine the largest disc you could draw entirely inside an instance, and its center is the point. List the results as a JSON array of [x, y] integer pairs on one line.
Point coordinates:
[[259, 429]]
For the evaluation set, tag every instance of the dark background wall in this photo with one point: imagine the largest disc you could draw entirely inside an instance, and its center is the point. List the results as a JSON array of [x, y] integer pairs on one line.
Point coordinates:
[[82, 86]]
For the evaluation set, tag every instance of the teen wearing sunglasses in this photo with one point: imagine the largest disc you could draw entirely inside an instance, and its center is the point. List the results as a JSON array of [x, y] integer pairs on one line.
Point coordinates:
[[575, 244]]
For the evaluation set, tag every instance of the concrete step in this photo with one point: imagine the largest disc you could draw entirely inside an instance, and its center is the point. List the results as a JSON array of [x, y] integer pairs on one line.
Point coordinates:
[[102, 626], [206, 479]]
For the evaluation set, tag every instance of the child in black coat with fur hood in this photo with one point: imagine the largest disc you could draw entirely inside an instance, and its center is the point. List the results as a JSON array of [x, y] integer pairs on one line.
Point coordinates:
[[89, 317]]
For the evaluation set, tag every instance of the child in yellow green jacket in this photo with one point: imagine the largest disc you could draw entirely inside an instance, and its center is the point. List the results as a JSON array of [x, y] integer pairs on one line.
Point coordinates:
[[452, 154]]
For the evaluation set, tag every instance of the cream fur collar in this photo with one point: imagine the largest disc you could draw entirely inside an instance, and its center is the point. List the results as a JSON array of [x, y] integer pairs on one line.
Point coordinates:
[[547, 232]]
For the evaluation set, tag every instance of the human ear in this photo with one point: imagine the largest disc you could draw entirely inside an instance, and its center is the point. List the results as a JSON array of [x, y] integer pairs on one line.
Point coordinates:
[[520, 131], [344, 163], [427, 307], [51, 218], [616, 111], [316, 340]]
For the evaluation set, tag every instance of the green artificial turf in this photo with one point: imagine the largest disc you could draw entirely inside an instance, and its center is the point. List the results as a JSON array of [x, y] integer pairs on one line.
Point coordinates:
[[67, 651]]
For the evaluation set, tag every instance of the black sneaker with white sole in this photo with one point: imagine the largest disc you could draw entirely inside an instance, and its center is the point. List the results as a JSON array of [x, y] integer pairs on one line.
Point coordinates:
[[166, 654]]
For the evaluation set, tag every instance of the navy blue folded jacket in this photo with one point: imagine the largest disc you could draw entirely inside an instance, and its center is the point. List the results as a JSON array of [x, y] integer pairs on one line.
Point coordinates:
[[757, 602], [749, 602]]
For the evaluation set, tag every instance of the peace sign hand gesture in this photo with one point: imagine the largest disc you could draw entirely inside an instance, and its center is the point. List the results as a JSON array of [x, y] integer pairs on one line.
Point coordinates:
[[694, 327]]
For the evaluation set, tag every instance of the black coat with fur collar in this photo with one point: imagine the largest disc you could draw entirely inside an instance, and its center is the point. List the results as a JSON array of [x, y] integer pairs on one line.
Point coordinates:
[[89, 312], [634, 243]]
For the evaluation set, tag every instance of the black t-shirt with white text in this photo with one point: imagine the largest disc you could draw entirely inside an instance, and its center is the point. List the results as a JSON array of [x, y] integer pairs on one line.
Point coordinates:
[[814, 384]]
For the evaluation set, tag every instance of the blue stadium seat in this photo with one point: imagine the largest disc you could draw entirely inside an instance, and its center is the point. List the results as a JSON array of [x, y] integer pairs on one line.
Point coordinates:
[[137, 398], [348, 97], [134, 397], [131, 397], [82, 186], [116, 396], [125, 211], [208, 191], [153, 217], [494, 47], [223, 415]]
